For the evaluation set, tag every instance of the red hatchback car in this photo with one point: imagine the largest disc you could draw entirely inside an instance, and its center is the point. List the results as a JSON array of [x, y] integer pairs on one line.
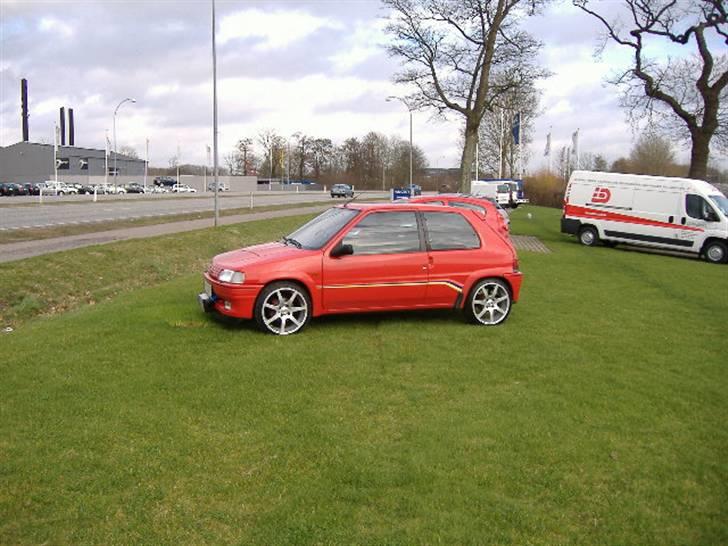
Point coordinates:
[[369, 257], [481, 205]]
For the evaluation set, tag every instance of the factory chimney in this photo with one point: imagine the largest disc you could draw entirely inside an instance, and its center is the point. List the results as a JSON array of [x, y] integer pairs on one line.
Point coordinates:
[[24, 107], [71, 130], [63, 126]]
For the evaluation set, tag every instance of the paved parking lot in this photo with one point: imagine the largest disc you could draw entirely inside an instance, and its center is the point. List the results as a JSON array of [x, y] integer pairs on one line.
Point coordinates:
[[27, 212]]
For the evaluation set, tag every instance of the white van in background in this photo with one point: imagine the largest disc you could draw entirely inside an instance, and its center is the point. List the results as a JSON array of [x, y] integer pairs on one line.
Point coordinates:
[[656, 211], [495, 189]]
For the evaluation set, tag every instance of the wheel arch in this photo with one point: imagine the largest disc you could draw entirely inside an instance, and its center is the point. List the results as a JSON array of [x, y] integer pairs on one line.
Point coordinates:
[[475, 279], [307, 284]]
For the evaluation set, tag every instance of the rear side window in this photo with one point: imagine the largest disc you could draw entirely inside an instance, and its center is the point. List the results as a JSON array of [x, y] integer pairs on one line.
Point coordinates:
[[385, 233], [449, 231], [471, 206]]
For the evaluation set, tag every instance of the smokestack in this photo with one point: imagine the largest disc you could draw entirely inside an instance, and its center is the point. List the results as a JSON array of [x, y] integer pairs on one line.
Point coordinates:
[[24, 107], [63, 126], [71, 135]]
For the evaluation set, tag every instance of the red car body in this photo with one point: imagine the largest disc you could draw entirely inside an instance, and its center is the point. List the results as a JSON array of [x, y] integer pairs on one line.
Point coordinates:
[[422, 278], [491, 215]]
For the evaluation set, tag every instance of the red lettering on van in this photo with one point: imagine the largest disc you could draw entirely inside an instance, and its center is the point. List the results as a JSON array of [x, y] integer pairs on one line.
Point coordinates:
[[601, 195]]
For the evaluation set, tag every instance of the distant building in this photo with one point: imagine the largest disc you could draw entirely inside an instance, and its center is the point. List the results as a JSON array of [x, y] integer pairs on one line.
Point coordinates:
[[33, 162]]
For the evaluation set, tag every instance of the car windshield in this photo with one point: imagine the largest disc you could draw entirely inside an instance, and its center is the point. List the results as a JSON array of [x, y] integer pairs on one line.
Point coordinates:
[[503, 188], [321, 229], [721, 202]]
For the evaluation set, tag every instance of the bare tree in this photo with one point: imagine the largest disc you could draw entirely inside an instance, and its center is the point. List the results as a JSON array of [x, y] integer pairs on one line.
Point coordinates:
[[272, 144], [496, 142], [128, 151], [244, 149], [687, 97], [450, 48]]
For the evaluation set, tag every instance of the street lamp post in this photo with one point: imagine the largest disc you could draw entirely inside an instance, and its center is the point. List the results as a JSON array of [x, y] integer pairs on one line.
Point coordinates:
[[115, 112], [409, 108]]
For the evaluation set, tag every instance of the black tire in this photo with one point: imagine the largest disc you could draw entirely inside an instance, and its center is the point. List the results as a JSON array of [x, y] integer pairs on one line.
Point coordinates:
[[588, 236], [280, 304], [489, 302], [716, 252], [609, 244]]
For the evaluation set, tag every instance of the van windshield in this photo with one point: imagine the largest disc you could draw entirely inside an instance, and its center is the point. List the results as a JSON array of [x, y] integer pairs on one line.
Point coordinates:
[[721, 202], [503, 188]]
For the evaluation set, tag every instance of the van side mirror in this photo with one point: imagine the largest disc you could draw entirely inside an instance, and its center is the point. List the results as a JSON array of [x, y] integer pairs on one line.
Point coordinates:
[[342, 250]]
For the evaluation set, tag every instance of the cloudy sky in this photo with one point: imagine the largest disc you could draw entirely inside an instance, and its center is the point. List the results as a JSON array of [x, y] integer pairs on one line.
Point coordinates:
[[317, 67]]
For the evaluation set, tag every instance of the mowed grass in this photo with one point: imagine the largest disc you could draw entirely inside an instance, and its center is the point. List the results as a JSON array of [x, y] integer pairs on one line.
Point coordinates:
[[595, 415]]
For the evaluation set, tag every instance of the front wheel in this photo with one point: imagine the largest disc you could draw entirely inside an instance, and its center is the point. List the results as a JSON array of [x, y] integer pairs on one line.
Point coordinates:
[[716, 252], [588, 236], [489, 302], [282, 308]]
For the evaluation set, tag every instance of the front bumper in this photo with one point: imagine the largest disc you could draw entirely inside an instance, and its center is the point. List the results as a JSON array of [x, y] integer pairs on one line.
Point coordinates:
[[233, 300]]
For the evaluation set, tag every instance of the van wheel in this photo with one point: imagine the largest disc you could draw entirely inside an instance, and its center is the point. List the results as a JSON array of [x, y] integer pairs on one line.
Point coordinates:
[[716, 252], [588, 236], [489, 302]]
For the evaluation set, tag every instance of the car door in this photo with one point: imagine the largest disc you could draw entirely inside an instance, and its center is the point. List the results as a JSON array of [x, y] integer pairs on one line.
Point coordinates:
[[388, 267], [699, 217], [454, 252]]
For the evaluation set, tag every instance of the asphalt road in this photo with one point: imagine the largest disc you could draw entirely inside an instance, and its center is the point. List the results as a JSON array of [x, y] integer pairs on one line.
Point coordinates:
[[16, 214]]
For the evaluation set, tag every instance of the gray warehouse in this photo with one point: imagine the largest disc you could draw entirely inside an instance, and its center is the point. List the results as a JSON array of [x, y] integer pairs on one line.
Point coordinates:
[[33, 162]]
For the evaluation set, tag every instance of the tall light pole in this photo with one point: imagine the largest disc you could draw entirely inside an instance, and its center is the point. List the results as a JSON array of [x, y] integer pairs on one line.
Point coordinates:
[[214, 114], [116, 110], [409, 108]]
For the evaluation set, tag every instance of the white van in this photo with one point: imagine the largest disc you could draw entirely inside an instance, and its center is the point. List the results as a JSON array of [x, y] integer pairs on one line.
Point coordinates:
[[656, 211], [499, 190]]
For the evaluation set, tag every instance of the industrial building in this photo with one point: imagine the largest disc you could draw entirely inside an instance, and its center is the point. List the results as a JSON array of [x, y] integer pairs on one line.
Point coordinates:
[[33, 162]]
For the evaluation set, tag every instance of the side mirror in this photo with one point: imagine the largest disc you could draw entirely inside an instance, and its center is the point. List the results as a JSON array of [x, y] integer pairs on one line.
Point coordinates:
[[342, 250]]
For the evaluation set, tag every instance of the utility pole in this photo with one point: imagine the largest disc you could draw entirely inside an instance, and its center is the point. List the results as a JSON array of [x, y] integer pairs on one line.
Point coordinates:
[[214, 114], [146, 166]]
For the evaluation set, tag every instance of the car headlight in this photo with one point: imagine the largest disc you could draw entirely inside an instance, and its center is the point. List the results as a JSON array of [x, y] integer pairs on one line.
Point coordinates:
[[230, 276]]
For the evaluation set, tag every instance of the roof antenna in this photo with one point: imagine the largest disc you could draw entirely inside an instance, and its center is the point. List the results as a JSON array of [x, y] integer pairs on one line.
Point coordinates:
[[356, 196]]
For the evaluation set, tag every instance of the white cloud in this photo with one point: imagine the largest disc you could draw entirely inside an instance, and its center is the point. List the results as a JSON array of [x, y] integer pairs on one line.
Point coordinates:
[[274, 29], [365, 42], [55, 26]]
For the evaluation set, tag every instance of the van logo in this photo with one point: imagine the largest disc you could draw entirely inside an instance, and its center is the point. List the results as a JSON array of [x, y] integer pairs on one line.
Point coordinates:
[[601, 195]]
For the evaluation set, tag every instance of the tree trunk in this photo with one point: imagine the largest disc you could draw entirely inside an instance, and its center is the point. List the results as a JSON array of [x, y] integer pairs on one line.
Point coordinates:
[[466, 162], [699, 154]]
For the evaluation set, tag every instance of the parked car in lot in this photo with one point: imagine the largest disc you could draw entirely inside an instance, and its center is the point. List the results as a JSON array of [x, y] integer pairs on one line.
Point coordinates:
[[369, 257], [134, 187], [342, 190], [10, 189], [51, 187], [222, 185], [166, 181], [183, 188], [31, 188], [416, 190]]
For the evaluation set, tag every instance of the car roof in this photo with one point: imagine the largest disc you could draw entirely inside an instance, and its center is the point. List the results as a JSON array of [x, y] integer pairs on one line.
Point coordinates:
[[364, 207]]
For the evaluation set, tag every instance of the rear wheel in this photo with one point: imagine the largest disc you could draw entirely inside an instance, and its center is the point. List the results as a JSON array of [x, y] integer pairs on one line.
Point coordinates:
[[588, 236], [716, 252], [489, 302], [282, 308]]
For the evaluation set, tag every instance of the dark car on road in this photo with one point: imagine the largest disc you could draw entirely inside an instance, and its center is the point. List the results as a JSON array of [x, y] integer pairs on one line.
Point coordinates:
[[342, 190]]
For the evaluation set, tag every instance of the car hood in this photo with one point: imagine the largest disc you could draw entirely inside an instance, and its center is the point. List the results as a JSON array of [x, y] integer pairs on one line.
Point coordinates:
[[265, 253]]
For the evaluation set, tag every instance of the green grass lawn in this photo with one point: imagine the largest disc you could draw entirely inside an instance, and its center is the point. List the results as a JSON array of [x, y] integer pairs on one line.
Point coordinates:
[[595, 415]]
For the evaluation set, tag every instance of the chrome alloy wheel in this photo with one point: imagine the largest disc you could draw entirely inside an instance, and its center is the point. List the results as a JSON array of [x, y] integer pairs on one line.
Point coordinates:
[[491, 303], [284, 311]]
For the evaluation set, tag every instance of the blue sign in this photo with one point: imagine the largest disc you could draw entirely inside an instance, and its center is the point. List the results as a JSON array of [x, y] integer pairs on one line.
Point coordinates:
[[400, 193]]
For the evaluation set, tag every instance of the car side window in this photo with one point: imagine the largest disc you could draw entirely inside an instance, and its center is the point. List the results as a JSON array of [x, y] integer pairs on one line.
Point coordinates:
[[471, 206], [450, 231], [697, 207], [384, 233]]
